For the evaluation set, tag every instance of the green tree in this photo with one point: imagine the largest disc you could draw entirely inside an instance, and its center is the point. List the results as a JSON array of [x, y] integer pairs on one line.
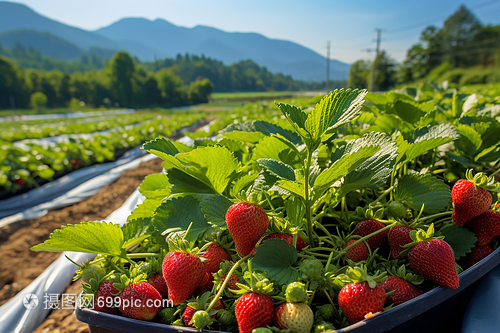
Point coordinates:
[[359, 74], [385, 74], [171, 87], [122, 74], [38, 101], [10, 84], [199, 91]]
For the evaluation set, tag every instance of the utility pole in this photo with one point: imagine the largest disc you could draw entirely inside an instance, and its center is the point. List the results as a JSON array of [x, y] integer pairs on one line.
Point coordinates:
[[328, 67], [374, 67]]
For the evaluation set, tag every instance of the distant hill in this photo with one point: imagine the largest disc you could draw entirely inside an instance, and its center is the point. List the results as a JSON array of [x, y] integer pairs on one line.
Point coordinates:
[[149, 40], [47, 43]]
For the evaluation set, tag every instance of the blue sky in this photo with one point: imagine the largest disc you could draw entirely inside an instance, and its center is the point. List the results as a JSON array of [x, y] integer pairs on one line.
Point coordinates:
[[349, 25]]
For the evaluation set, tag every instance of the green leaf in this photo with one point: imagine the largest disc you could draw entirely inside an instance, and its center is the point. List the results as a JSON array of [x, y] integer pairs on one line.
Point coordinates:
[[338, 108], [273, 148], [145, 210], [155, 186], [89, 237], [426, 139], [214, 208], [241, 184], [461, 239], [275, 257], [136, 230], [277, 168], [355, 153], [416, 190], [180, 213], [374, 171], [214, 166], [161, 147], [297, 118], [251, 137], [469, 141], [269, 129], [294, 188]]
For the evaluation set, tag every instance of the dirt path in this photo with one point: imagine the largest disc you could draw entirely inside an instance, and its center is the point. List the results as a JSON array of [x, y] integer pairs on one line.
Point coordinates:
[[16, 240]]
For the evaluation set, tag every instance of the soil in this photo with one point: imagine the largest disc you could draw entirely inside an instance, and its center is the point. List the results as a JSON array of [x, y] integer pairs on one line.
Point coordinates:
[[17, 239]]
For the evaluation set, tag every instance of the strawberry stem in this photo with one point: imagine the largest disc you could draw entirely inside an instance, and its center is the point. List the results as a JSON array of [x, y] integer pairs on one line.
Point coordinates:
[[344, 251], [143, 255], [226, 280]]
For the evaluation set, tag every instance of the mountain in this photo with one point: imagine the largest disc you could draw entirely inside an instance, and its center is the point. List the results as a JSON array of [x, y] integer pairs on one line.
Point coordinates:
[[149, 40], [229, 47]]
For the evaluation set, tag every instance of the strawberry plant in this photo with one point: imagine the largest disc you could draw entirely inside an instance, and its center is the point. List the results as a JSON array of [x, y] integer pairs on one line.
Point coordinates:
[[316, 208]]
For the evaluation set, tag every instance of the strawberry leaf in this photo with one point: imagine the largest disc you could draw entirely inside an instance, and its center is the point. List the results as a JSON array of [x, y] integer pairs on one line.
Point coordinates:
[[155, 186], [270, 129], [277, 168], [163, 148], [214, 208], [291, 187], [414, 190], [275, 257], [85, 237], [461, 239], [136, 230], [180, 212], [145, 209]]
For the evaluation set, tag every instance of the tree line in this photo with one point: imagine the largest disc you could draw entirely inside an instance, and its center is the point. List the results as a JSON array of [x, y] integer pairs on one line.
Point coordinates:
[[458, 52], [126, 82]]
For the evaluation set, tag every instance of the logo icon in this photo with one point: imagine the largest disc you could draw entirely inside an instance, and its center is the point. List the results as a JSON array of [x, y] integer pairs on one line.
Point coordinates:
[[30, 301]]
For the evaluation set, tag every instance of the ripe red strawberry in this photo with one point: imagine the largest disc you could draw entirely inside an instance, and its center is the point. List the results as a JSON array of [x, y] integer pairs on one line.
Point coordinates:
[[158, 282], [104, 298], [358, 252], [216, 254], [486, 227], [253, 311], [183, 273], [358, 299], [368, 226], [478, 253], [207, 282], [140, 300], [231, 284], [404, 290], [297, 317], [398, 236], [246, 223], [469, 201], [288, 238], [434, 260]]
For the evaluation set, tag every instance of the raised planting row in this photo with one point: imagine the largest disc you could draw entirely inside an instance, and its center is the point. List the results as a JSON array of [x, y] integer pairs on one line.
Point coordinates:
[[32, 164], [20, 130], [351, 207]]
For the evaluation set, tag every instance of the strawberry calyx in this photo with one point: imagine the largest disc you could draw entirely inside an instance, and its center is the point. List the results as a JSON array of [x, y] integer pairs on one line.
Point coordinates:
[[483, 181], [177, 242], [132, 276], [402, 273], [91, 287], [420, 236], [360, 274]]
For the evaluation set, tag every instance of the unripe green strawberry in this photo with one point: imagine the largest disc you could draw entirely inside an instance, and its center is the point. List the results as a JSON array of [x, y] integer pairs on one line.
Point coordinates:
[[253, 311], [323, 327], [201, 319], [91, 271], [296, 292], [311, 269], [183, 273], [262, 330], [297, 317], [397, 209], [246, 223], [357, 300]]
